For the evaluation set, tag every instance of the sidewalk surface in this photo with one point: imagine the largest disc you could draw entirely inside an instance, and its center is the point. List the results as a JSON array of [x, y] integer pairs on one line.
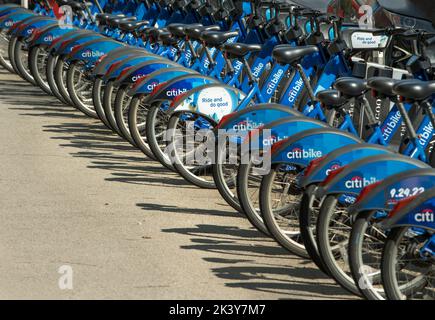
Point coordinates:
[[74, 194]]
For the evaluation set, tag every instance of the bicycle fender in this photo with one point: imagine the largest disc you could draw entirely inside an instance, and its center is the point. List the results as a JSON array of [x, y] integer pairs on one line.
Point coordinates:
[[26, 30], [58, 43], [10, 8], [154, 79], [417, 213], [48, 34], [141, 70], [282, 129], [9, 20], [256, 116], [91, 51], [300, 149], [172, 89], [23, 23], [351, 179], [321, 168], [66, 46], [387, 193], [213, 100], [120, 56]]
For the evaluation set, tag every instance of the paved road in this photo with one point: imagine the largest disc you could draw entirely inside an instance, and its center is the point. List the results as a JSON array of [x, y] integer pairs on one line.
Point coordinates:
[[73, 194]]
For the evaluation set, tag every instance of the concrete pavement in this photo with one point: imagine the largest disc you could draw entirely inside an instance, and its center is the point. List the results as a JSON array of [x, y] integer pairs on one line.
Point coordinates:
[[74, 194]]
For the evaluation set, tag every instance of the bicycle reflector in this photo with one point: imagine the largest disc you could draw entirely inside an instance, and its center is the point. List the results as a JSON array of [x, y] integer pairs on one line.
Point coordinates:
[[313, 165], [124, 72], [101, 59], [401, 204], [113, 66], [364, 192], [178, 98], [277, 145], [332, 175], [76, 49]]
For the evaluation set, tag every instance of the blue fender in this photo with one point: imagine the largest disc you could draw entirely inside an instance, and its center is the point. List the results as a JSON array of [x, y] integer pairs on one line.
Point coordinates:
[[282, 129], [22, 23], [302, 148], [119, 61], [65, 47], [387, 193], [350, 180], [154, 79], [119, 58], [92, 50], [9, 8], [175, 87], [50, 34], [321, 168], [213, 101], [8, 20], [141, 70], [58, 43], [26, 30], [256, 116], [416, 213]]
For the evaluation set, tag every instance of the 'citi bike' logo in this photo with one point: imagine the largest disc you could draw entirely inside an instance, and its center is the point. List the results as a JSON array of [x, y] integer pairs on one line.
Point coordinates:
[[247, 125], [301, 153], [9, 23], [175, 92], [257, 69], [358, 182], [152, 85], [426, 134], [273, 139], [49, 38], [390, 126], [334, 166], [274, 81], [138, 77], [237, 66], [295, 90], [92, 54], [426, 215]]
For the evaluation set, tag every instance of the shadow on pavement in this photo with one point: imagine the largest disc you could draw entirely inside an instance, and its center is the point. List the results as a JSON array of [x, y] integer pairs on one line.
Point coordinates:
[[240, 250], [237, 250]]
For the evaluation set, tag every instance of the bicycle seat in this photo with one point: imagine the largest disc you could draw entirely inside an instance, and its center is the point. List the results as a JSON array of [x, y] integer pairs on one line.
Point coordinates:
[[104, 17], [195, 32], [332, 99], [217, 38], [382, 85], [156, 33], [168, 39], [351, 87], [287, 54], [114, 22], [178, 29], [146, 30], [239, 50], [131, 26], [76, 6], [415, 89]]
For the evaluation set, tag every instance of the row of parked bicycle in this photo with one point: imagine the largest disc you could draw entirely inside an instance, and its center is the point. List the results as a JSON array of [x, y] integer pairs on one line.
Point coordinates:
[[319, 131]]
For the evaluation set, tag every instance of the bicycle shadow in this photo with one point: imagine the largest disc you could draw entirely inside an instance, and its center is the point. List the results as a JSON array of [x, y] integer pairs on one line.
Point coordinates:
[[92, 140], [243, 254], [245, 258]]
